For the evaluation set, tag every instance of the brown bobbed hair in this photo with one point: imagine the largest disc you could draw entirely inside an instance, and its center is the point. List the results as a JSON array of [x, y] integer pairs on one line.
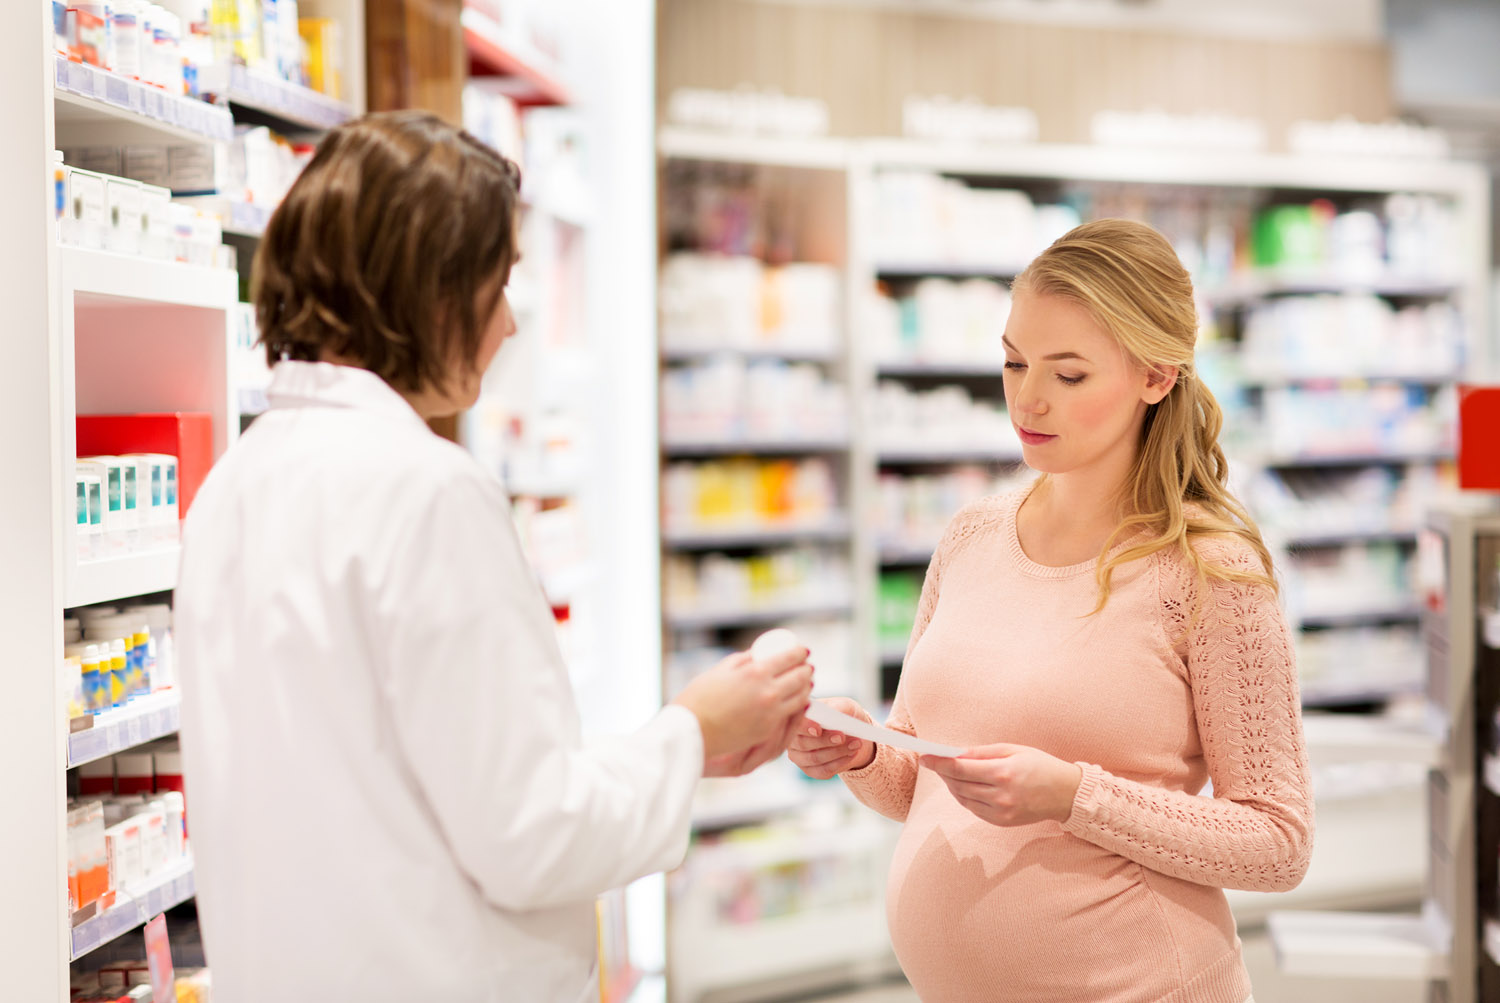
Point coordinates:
[[390, 251]]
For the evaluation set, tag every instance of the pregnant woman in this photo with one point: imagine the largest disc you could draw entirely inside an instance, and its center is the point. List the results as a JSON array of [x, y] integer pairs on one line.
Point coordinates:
[[1103, 643]]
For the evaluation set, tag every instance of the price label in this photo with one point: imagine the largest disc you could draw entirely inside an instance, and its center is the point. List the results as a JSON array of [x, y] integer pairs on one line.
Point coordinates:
[[61, 78], [159, 961], [137, 99], [135, 731], [78, 79], [117, 91]]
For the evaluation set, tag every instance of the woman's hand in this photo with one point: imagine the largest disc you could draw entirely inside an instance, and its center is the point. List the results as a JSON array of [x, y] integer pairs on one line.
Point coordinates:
[[747, 709], [1010, 784], [822, 754]]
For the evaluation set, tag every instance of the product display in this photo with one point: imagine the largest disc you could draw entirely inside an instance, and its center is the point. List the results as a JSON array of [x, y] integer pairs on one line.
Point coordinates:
[[711, 302], [1351, 336], [720, 585], [914, 509], [748, 494], [726, 398], [941, 321], [103, 212], [943, 419], [931, 221]]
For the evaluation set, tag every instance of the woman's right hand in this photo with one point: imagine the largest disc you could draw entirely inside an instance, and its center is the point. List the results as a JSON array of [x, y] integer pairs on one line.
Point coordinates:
[[822, 754], [742, 703]]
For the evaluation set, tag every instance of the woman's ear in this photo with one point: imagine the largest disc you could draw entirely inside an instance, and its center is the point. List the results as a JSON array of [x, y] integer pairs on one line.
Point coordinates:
[[1159, 382]]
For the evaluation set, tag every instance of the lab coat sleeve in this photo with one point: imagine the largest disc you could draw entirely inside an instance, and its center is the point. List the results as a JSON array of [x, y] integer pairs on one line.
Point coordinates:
[[483, 715]]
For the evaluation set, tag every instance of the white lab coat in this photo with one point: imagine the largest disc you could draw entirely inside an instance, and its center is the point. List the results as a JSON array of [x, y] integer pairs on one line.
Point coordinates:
[[387, 794]]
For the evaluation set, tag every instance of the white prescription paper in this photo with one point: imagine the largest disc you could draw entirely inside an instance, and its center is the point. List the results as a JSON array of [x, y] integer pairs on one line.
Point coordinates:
[[825, 716]]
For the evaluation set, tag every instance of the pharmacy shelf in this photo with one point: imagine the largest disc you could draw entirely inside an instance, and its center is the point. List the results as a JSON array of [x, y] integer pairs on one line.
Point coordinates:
[[94, 107], [1349, 869], [1256, 287], [1400, 611], [760, 535], [143, 903], [939, 455], [935, 370], [744, 447], [1358, 945], [895, 553], [107, 580], [779, 848], [1307, 539], [729, 619], [724, 814], [815, 153], [237, 217], [542, 487], [1273, 381], [142, 720], [1122, 165], [1360, 738], [1329, 697], [495, 52], [915, 270], [293, 107], [147, 280], [751, 353], [1392, 459], [818, 945]]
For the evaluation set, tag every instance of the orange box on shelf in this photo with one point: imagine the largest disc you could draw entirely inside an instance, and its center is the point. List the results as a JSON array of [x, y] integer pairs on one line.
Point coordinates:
[[187, 435], [1479, 437]]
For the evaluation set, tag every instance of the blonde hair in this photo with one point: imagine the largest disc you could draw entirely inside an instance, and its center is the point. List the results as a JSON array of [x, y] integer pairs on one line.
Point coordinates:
[[1130, 280]]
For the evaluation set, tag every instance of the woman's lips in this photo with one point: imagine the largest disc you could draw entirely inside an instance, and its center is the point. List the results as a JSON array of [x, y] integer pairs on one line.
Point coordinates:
[[1033, 438]]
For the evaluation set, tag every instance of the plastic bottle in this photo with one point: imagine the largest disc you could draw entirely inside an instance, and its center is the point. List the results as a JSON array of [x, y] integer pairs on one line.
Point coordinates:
[[127, 28], [119, 673]]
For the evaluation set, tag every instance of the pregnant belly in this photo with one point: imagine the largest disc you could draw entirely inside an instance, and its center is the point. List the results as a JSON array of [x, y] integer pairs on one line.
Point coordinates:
[[983, 913]]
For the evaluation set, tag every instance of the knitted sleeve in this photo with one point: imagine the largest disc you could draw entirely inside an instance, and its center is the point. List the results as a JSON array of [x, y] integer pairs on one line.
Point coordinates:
[[888, 783], [1255, 833]]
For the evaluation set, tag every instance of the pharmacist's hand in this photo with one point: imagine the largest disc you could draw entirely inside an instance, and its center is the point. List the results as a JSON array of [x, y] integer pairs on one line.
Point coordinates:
[[1010, 784], [742, 704], [822, 754], [737, 764]]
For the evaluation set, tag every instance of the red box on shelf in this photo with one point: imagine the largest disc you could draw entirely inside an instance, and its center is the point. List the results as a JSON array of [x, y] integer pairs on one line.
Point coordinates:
[[1478, 437], [187, 435]]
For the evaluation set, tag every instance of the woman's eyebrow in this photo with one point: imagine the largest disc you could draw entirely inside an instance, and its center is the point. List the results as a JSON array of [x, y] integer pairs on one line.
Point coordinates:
[[1054, 357]]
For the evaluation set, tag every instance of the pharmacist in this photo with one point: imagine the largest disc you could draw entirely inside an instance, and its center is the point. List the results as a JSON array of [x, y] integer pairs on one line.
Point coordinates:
[[388, 797]]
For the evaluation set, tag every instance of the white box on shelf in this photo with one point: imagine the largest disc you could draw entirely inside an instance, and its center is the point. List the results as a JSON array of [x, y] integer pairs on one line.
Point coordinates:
[[122, 198], [87, 213]]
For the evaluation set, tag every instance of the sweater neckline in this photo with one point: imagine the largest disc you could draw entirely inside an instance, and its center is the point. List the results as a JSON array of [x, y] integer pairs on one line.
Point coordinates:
[[1036, 570]]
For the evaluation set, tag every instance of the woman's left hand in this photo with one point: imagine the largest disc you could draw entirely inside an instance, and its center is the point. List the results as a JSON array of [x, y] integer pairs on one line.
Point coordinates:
[[1010, 784]]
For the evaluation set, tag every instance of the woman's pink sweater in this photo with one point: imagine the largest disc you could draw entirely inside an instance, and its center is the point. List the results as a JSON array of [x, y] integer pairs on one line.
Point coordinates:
[[1123, 902]]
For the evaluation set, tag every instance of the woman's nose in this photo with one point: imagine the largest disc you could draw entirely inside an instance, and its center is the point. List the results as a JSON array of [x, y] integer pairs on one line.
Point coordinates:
[[1028, 401]]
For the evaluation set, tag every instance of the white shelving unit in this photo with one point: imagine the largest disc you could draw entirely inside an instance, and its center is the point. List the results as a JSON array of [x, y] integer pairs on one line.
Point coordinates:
[[95, 333], [134, 907], [142, 720]]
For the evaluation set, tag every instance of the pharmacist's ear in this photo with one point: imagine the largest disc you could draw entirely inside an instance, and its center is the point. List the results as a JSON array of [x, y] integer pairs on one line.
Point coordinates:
[[1159, 382]]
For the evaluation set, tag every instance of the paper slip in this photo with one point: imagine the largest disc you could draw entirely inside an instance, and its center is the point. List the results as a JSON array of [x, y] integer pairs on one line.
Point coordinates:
[[825, 716]]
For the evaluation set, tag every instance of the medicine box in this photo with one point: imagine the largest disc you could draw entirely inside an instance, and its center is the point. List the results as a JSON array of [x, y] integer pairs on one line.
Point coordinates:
[[186, 435], [118, 480], [87, 216], [123, 202], [156, 222]]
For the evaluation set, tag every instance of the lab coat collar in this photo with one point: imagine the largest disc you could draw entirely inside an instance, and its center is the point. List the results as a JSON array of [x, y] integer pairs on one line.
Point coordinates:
[[323, 384]]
